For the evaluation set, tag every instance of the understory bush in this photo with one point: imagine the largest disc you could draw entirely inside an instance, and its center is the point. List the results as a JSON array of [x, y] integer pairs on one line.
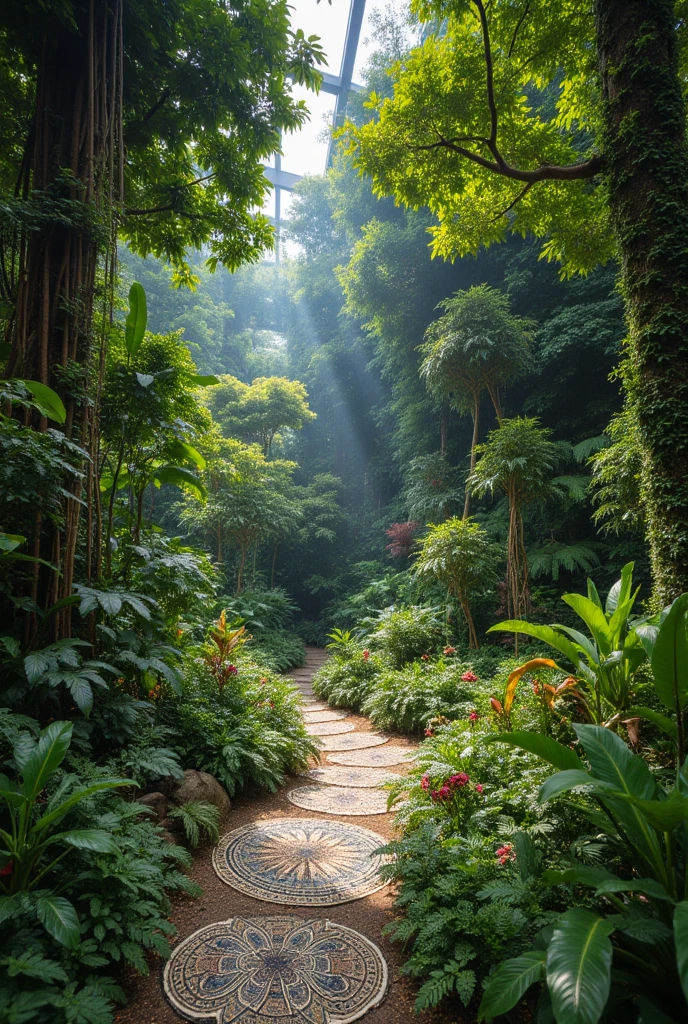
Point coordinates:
[[403, 634], [278, 650], [248, 731]]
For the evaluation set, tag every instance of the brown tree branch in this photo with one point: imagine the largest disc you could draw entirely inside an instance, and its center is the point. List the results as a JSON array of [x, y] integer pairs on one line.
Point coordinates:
[[490, 78], [545, 172], [523, 17]]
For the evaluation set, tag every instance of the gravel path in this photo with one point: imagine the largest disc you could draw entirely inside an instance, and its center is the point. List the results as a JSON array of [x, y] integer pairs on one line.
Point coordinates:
[[147, 1002]]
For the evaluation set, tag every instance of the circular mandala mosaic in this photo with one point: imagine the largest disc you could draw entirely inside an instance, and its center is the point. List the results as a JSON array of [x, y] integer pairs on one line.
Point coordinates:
[[339, 800], [373, 758], [281, 970], [301, 862], [359, 778], [358, 741], [324, 716], [329, 728]]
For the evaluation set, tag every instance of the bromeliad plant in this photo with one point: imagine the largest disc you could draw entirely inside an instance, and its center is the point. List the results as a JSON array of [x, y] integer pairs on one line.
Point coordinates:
[[635, 948], [224, 639], [606, 661]]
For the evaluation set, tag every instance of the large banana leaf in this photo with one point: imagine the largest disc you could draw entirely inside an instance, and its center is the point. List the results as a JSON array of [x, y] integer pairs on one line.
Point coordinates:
[[46, 756], [137, 319], [548, 636], [579, 961], [594, 618], [180, 477], [670, 657]]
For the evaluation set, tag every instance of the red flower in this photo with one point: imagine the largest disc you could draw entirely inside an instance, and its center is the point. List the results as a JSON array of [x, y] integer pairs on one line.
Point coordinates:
[[473, 717], [263, 682], [449, 650], [536, 688], [425, 657], [505, 853], [469, 677], [366, 655], [232, 670], [478, 788], [425, 782], [459, 779], [429, 732], [8, 868]]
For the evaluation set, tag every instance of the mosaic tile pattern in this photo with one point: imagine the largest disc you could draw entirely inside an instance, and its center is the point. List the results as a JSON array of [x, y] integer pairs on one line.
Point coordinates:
[[303, 862], [359, 741], [323, 716], [373, 758], [339, 800], [275, 970], [329, 728], [359, 778]]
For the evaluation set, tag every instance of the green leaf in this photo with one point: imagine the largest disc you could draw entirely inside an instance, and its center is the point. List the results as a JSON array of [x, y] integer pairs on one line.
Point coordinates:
[[179, 477], [621, 590], [109, 602], [594, 619], [203, 380], [509, 983], [545, 747], [186, 452], [49, 402], [82, 693], [611, 761], [663, 815], [581, 874], [59, 918], [681, 941], [9, 908], [548, 636], [145, 379], [647, 886], [54, 814], [95, 839], [667, 725], [579, 960], [11, 541], [564, 781], [137, 318], [670, 657], [46, 757]]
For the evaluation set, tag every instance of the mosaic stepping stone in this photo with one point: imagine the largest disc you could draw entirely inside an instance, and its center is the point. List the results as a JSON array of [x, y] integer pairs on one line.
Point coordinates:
[[359, 778], [373, 758], [311, 705], [339, 800], [358, 741], [329, 728], [301, 862], [281, 970], [323, 716]]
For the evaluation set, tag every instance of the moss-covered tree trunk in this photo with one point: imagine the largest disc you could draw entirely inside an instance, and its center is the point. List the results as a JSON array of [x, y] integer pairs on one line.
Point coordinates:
[[647, 177]]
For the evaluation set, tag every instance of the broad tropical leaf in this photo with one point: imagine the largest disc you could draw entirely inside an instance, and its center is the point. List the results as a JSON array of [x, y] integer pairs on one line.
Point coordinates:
[[48, 401], [548, 636], [670, 657], [179, 477], [681, 940], [137, 319], [579, 961], [46, 756], [667, 725], [509, 983], [545, 747], [594, 618], [59, 918]]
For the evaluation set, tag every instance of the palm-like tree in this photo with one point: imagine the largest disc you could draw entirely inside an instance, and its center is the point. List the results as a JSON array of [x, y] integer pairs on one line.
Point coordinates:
[[478, 345], [518, 459]]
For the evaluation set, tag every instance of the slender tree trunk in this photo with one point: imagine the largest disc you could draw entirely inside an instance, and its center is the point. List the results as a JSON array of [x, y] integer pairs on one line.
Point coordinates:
[[647, 179], [474, 441], [493, 392], [274, 566], [240, 573], [472, 635]]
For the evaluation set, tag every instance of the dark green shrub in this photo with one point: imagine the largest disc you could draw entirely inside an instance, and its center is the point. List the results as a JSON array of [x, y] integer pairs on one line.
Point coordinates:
[[404, 634]]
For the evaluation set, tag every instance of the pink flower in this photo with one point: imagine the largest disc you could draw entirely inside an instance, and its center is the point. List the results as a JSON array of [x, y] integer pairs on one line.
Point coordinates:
[[425, 657], [425, 782], [505, 853], [473, 717], [478, 788], [429, 732], [232, 670], [444, 792], [449, 650], [469, 677], [366, 655], [459, 780]]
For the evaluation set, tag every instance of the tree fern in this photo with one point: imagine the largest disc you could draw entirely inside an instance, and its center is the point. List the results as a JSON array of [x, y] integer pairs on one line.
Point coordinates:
[[549, 559]]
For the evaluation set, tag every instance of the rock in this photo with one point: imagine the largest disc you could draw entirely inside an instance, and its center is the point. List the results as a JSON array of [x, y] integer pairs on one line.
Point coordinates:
[[157, 803], [197, 786], [172, 825]]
